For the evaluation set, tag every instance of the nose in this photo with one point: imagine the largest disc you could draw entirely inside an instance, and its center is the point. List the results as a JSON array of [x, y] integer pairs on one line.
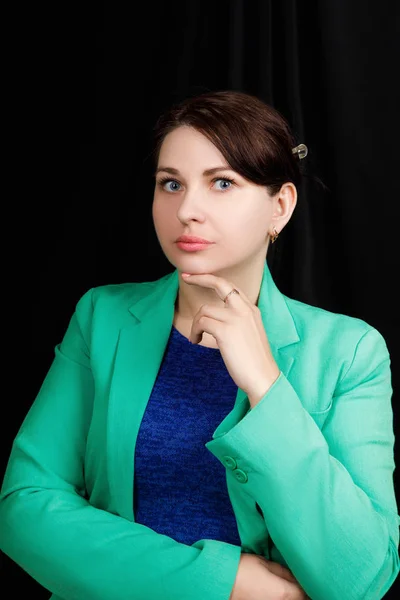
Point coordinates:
[[191, 206]]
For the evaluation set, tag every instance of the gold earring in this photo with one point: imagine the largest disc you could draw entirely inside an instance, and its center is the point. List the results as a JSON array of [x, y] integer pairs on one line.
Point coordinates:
[[274, 236]]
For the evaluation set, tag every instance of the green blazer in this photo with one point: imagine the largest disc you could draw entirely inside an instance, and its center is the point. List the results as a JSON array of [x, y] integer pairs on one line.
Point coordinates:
[[311, 465]]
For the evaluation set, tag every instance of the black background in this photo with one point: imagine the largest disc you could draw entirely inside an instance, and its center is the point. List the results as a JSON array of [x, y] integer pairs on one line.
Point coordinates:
[[87, 83]]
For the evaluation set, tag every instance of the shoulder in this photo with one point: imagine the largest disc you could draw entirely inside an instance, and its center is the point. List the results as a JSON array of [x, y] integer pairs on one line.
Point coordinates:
[[111, 301], [120, 295], [339, 338], [311, 319]]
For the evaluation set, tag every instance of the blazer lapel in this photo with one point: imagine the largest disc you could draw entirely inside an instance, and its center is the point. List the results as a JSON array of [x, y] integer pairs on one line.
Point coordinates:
[[140, 350]]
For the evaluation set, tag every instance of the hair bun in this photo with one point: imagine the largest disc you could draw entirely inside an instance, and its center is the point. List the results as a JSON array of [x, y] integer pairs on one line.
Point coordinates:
[[301, 150]]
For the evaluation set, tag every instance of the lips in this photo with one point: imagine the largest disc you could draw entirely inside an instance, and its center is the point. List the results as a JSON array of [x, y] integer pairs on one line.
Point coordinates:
[[192, 239]]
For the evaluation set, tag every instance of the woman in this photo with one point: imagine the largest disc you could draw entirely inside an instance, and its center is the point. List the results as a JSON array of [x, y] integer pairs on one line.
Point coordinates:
[[254, 463]]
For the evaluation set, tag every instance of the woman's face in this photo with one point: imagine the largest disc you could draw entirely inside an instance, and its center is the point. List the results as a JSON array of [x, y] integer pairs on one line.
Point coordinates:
[[221, 207]]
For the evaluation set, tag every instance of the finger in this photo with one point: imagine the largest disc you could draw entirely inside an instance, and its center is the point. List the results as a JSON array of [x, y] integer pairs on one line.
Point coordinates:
[[280, 570], [221, 286], [296, 592], [290, 589], [206, 325], [206, 320]]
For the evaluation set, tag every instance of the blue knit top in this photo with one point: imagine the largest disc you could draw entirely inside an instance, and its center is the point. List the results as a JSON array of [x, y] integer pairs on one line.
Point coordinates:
[[179, 486]]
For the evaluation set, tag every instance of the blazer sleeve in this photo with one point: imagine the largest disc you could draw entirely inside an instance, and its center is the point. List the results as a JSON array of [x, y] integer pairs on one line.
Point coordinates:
[[327, 496], [70, 547]]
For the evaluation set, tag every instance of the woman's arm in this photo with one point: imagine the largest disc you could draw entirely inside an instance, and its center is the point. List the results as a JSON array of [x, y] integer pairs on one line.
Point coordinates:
[[48, 527], [327, 497]]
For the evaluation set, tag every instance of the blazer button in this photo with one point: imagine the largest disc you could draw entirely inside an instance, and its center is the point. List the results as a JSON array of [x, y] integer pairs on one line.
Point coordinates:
[[240, 475], [229, 462]]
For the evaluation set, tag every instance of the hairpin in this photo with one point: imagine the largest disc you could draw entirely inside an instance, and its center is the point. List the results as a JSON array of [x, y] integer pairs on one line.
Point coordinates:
[[301, 150]]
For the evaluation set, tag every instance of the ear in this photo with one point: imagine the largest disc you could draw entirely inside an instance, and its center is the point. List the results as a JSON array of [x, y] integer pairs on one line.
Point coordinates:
[[284, 204]]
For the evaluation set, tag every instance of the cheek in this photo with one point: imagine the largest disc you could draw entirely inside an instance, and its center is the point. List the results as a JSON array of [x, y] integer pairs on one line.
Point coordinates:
[[157, 211], [154, 209], [254, 221], [162, 216]]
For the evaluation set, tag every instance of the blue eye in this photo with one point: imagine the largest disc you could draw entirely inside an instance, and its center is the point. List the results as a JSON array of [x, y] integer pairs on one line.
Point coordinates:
[[164, 181], [225, 180]]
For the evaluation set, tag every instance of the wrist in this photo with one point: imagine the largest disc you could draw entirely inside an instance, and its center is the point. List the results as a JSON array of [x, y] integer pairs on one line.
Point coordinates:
[[262, 387]]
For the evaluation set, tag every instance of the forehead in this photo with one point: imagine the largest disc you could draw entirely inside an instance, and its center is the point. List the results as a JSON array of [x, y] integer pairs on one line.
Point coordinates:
[[186, 145]]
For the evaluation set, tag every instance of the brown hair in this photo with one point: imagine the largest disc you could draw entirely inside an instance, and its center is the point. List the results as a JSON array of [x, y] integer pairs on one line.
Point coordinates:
[[254, 138]]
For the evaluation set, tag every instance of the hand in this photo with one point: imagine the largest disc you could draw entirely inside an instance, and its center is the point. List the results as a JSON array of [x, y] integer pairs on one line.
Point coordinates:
[[239, 331], [281, 571], [261, 579]]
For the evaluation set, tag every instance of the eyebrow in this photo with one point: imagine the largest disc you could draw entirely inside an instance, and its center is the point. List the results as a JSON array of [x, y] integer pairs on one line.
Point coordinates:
[[205, 173]]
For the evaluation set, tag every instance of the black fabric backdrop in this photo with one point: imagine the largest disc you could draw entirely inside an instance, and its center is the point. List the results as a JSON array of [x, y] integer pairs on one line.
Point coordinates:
[[97, 79]]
